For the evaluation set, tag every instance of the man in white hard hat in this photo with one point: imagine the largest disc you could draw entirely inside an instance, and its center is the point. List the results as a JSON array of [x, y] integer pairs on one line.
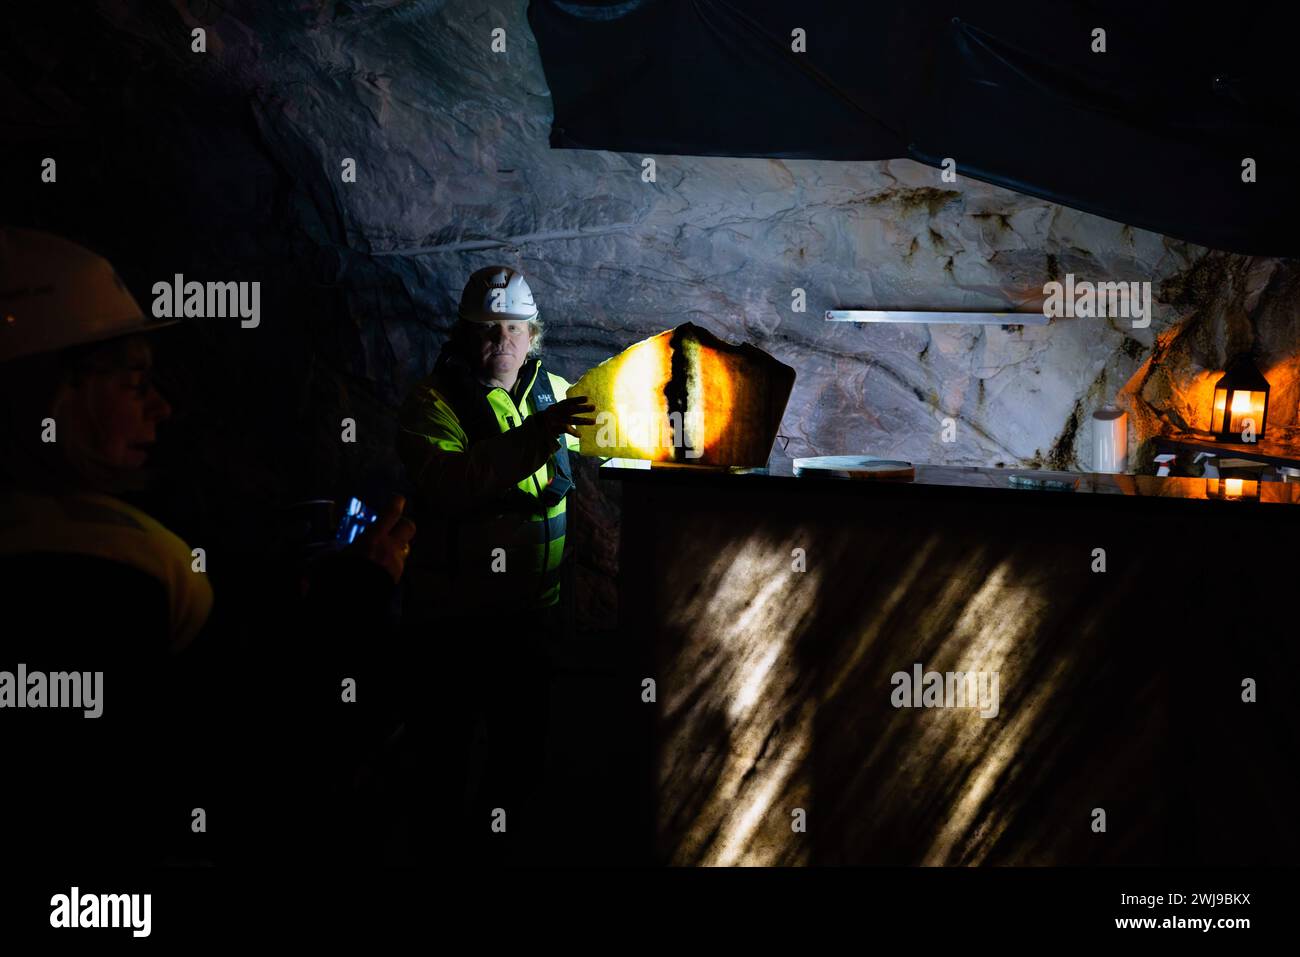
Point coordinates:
[[98, 591], [101, 587], [81, 414], [486, 440]]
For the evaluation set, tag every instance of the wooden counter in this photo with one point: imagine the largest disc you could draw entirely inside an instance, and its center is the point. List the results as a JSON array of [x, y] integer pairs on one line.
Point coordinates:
[[773, 613]]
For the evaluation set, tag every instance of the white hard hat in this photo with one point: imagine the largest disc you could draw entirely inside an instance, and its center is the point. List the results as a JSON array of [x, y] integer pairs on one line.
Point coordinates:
[[497, 292], [54, 294]]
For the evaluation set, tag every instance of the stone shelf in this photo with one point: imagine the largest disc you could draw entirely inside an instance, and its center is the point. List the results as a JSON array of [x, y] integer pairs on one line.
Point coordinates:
[[1279, 447]]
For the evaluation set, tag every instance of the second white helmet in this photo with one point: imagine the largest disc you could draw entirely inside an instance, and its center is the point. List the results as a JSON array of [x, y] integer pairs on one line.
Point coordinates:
[[55, 294]]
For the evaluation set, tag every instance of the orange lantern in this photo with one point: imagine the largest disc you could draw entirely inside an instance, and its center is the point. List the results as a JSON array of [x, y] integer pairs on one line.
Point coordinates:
[[1240, 402]]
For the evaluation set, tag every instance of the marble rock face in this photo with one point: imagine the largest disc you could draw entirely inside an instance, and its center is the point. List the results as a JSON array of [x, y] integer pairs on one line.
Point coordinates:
[[454, 172]]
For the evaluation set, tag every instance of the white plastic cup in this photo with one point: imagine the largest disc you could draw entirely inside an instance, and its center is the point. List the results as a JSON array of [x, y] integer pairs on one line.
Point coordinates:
[[1110, 440]]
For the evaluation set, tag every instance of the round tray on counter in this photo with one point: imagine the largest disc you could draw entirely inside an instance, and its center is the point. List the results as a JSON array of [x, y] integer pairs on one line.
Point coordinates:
[[854, 467]]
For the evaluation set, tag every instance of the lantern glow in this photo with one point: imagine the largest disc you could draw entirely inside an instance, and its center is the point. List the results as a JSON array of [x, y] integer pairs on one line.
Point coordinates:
[[1240, 409], [1232, 489]]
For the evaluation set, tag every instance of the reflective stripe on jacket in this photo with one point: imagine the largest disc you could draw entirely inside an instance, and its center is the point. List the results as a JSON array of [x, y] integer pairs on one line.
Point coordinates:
[[101, 526], [488, 538]]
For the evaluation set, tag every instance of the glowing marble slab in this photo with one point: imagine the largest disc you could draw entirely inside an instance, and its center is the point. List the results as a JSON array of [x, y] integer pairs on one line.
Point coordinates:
[[687, 397]]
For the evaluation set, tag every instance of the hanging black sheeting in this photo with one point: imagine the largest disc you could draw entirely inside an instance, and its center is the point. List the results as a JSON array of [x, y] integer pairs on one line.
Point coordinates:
[[1152, 132]]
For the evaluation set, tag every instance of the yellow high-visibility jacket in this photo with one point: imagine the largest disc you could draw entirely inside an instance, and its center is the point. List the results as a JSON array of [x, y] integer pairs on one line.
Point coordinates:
[[100, 526], [491, 492]]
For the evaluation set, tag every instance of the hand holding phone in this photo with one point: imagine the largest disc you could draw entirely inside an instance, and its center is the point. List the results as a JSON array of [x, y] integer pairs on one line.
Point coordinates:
[[386, 540], [356, 519]]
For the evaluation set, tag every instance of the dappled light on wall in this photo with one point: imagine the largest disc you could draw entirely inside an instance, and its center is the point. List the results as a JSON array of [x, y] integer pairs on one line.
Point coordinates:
[[734, 683]]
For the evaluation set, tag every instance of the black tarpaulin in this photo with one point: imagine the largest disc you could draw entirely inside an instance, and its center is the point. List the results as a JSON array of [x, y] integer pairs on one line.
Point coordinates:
[[1152, 132]]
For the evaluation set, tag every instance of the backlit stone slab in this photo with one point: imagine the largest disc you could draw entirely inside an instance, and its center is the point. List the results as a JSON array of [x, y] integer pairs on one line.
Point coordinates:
[[686, 396]]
